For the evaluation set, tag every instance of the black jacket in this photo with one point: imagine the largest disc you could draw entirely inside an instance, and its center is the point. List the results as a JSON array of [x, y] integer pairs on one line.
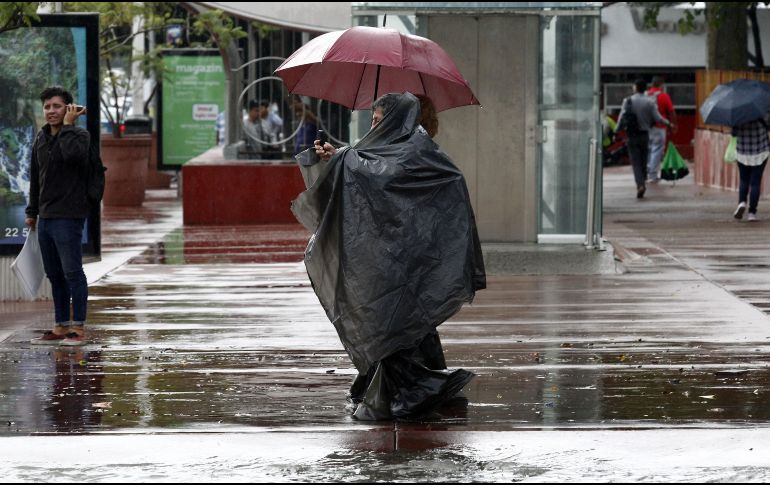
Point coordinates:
[[59, 174]]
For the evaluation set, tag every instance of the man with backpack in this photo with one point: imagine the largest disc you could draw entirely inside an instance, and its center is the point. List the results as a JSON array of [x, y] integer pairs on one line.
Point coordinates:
[[60, 175], [637, 116], [658, 132]]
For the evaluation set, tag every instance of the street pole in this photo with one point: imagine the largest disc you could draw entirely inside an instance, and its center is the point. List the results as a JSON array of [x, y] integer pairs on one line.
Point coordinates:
[[591, 210]]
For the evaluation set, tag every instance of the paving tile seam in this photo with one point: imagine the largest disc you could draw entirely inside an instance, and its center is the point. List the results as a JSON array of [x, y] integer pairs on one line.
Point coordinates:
[[707, 279], [403, 427]]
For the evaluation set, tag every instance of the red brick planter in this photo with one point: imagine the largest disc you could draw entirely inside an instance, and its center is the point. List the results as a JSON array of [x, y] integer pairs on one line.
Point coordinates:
[[126, 160]]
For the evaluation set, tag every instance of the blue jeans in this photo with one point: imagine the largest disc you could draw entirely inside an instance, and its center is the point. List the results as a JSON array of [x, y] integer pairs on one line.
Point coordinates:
[[60, 245], [751, 178]]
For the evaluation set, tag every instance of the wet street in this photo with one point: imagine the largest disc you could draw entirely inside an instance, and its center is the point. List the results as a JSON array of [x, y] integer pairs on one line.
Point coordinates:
[[211, 359]]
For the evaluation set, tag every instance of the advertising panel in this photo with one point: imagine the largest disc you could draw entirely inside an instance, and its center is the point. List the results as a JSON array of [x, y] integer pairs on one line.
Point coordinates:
[[59, 50], [191, 96]]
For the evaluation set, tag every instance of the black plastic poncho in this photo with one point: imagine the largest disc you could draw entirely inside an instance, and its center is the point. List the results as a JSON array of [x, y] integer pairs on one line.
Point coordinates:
[[394, 251]]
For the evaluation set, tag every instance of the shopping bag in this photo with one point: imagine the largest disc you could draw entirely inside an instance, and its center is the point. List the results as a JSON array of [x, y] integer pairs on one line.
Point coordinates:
[[674, 166], [731, 154], [28, 266]]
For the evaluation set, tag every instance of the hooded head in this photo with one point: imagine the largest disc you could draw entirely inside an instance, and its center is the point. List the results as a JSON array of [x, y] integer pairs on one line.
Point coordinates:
[[396, 116]]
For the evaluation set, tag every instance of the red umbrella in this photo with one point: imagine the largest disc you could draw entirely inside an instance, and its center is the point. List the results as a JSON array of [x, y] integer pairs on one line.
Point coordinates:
[[352, 67]]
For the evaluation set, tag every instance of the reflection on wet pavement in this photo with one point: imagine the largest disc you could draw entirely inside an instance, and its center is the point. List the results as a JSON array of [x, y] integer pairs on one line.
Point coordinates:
[[233, 345], [331, 456], [218, 329], [270, 243]]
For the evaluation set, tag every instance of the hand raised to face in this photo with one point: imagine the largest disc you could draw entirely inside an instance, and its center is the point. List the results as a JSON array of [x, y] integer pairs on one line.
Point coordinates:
[[72, 113]]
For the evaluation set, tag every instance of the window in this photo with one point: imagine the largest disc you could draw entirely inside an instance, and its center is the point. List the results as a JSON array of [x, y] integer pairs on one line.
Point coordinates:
[[682, 95]]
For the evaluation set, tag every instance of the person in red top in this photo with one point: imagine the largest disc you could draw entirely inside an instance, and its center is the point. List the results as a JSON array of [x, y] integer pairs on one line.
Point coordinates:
[[658, 133]]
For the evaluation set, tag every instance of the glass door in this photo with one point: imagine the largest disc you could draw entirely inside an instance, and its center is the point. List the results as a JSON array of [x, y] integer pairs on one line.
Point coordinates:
[[569, 118]]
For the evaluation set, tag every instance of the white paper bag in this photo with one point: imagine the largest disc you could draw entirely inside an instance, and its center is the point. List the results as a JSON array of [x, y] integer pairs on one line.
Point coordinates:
[[28, 266]]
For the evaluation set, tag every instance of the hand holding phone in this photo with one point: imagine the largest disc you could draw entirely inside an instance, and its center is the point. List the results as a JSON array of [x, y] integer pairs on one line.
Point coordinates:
[[73, 111], [322, 137]]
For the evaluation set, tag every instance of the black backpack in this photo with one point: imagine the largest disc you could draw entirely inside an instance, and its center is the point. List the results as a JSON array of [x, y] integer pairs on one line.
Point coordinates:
[[95, 184], [629, 122]]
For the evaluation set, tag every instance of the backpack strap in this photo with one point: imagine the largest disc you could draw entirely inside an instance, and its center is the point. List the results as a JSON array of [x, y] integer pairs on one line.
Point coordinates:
[[628, 105]]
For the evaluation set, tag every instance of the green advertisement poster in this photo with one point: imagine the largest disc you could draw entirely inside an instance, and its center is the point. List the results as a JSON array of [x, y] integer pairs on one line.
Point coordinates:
[[191, 96]]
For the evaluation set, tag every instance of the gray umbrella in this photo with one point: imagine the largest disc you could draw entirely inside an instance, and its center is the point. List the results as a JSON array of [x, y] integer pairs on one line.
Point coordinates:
[[736, 103]]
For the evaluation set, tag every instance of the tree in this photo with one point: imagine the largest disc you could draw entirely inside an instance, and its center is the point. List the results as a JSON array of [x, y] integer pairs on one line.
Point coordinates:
[[32, 61], [225, 35], [17, 14], [120, 23], [727, 31]]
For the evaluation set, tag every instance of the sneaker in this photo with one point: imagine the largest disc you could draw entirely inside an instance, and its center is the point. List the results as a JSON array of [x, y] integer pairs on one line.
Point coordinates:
[[738, 214], [48, 338], [73, 339], [752, 217]]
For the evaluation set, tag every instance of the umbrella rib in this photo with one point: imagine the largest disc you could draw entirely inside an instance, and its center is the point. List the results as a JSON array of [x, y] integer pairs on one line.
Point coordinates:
[[358, 90], [424, 91]]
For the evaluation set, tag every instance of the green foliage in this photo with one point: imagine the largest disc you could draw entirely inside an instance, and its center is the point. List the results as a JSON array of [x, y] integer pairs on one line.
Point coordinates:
[[8, 141], [727, 30], [32, 60], [264, 29], [17, 14], [10, 145], [219, 26], [9, 198], [120, 23], [117, 18], [714, 13], [686, 24]]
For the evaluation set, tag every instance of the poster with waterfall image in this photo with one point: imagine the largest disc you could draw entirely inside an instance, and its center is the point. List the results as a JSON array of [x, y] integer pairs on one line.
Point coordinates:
[[33, 59]]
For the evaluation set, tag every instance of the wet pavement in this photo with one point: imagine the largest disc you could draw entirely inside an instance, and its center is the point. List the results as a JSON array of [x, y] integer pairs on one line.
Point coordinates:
[[211, 357]]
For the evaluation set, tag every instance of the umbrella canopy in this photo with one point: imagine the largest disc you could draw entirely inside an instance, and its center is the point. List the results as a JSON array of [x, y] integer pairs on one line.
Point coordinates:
[[736, 103], [354, 66]]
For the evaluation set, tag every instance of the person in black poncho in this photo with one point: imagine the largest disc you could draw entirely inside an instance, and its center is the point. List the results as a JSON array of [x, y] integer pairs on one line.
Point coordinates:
[[394, 253]]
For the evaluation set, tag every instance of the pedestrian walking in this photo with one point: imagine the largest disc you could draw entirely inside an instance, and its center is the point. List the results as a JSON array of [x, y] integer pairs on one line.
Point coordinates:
[[58, 207], [659, 131], [220, 128], [394, 253], [306, 134], [753, 147], [638, 115], [262, 128]]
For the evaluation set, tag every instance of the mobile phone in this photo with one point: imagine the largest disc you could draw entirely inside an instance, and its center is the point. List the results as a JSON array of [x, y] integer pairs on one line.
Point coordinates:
[[80, 109], [323, 137]]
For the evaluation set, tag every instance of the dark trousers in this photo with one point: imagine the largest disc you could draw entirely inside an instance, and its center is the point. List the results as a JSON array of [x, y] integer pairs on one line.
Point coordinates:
[[751, 178], [638, 152], [60, 246]]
